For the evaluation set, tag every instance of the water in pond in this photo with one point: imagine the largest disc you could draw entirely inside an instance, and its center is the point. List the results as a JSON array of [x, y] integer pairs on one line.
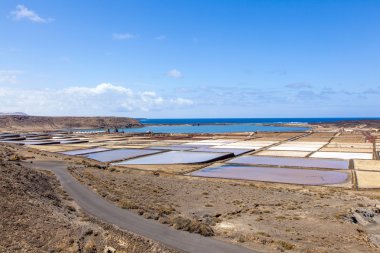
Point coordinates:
[[290, 161], [177, 157], [120, 154], [277, 175], [235, 151], [83, 151]]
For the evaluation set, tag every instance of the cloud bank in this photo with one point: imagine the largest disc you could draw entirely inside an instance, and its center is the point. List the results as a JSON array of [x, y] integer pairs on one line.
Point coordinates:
[[9, 76], [103, 99], [22, 12]]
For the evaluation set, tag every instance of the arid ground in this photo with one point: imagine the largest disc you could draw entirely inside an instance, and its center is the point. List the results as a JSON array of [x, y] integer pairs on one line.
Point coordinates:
[[37, 215]]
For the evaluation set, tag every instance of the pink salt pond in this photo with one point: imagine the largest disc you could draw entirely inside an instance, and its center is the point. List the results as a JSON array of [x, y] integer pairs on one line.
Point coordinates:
[[275, 175], [292, 162]]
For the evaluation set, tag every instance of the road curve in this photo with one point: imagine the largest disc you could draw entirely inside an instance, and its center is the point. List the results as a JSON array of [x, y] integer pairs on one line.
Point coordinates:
[[93, 204]]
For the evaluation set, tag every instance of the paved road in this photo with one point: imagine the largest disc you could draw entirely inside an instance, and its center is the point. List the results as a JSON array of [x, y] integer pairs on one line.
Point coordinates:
[[127, 220]]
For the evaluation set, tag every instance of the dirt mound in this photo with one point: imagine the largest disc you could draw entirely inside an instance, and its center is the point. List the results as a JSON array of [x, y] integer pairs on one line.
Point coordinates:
[[25, 122]]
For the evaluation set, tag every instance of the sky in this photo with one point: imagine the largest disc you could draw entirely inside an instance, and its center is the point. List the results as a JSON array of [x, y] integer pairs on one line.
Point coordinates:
[[191, 59]]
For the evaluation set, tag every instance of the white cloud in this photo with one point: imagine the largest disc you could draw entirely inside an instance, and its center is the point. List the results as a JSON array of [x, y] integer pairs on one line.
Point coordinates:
[[174, 73], [99, 89], [9, 76], [103, 99], [182, 101], [123, 36], [22, 12], [160, 37]]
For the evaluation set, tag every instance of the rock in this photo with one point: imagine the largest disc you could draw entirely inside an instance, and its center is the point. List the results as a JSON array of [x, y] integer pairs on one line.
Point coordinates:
[[357, 218], [109, 249], [377, 208]]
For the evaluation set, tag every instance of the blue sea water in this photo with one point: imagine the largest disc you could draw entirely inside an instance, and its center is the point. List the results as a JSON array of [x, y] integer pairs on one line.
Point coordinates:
[[212, 128], [227, 125], [242, 120]]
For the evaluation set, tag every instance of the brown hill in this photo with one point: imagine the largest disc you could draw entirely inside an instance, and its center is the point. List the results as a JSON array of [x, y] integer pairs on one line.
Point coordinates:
[[25, 122]]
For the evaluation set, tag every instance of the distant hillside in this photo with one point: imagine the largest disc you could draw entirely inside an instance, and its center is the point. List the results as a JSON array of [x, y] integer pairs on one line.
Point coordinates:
[[39, 123], [369, 123], [13, 113]]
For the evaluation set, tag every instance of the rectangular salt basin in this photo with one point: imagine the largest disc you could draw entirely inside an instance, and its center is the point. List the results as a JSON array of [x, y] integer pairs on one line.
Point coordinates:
[[32, 142], [235, 151], [54, 148], [368, 179], [239, 146], [84, 151], [349, 145], [342, 155], [7, 135], [321, 143], [276, 175], [259, 143], [249, 143], [283, 153], [172, 147], [218, 141], [300, 145], [120, 154], [372, 165], [291, 162], [72, 141], [295, 148], [198, 144], [177, 157], [355, 150]]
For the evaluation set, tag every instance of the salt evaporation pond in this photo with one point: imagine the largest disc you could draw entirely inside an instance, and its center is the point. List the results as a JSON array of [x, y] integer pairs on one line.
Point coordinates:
[[275, 175]]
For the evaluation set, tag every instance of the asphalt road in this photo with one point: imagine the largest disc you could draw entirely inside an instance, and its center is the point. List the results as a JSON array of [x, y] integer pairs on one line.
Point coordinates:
[[93, 204]]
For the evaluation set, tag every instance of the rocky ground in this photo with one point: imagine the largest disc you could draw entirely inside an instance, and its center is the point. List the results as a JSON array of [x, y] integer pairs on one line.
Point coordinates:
[[36, 215]]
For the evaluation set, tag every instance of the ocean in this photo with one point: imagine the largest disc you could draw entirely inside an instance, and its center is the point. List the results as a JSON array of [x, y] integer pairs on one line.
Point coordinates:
[[227, 125], [213, 128], [242, 120]]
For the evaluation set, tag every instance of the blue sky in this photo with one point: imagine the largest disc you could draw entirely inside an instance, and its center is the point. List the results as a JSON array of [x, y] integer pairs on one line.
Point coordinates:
[[191, 58]]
